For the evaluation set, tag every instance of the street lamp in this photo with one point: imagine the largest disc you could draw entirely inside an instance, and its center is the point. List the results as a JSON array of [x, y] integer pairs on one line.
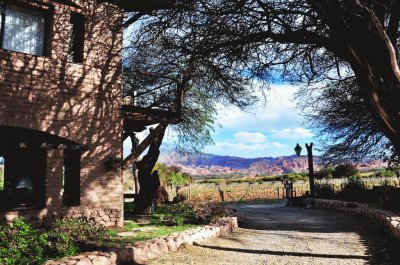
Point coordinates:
[[298, 149]]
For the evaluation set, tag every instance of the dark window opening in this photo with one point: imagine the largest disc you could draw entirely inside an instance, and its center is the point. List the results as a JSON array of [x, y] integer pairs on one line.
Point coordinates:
[[72, 180], [23, 29], [77, 38], [24, 178]]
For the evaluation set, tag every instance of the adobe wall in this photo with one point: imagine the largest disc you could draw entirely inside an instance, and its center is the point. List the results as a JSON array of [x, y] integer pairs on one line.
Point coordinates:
[[79, 102]]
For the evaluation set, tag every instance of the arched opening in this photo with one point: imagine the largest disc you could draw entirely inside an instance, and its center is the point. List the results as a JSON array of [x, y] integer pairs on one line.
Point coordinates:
[[25, 153]]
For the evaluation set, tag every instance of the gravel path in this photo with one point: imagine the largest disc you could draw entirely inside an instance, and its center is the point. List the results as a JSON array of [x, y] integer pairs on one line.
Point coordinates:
[[274, 234]]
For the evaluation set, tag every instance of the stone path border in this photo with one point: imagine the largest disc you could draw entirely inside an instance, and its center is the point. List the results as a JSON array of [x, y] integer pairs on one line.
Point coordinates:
[[389, 219], [142, 251]]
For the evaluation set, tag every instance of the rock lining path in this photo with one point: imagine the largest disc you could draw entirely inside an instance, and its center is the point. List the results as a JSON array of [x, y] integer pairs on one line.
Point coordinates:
[[274, 234]]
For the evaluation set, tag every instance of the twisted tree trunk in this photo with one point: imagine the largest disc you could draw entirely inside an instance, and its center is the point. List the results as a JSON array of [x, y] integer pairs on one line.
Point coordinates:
[[148, 181]]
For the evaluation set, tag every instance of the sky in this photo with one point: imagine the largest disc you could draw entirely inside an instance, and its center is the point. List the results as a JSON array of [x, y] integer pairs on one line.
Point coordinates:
[[271, 130]]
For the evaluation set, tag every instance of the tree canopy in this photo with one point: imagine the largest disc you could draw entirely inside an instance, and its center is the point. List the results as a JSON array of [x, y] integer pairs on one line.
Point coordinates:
[[303, 41]]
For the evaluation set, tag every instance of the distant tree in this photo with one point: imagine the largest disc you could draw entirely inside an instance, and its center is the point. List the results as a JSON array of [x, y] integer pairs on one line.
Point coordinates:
[[344, 170], [324, 173]]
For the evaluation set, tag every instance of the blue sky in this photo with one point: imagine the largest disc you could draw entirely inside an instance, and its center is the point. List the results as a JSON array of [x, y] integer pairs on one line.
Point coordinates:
[[271, 130]]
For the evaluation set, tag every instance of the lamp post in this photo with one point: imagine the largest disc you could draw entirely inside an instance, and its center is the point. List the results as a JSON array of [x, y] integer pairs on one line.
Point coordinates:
[[298, 149]]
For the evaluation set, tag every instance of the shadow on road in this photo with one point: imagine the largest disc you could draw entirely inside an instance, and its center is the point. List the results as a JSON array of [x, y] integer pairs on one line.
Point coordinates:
[[380, 247], [284, 253]]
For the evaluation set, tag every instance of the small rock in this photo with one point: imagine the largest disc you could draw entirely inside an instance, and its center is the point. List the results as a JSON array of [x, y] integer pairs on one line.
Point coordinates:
[[84, 261]]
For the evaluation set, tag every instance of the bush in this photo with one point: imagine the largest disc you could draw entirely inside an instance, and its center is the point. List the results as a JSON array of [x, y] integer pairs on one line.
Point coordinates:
[[178, 214], [193, 213], [21, 244], [345, 170], [61, 245], [324, 173], [82, 233], [162, 195], [324, 191], [209, 211], [355, 190]]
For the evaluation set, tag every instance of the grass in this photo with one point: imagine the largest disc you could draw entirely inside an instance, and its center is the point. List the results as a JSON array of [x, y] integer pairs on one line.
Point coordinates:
[[149, 230], [141, 232]]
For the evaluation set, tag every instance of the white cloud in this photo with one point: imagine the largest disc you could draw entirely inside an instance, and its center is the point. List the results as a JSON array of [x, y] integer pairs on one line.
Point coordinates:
[[291, 133], [278, 111], [250, 137], [278, 145]]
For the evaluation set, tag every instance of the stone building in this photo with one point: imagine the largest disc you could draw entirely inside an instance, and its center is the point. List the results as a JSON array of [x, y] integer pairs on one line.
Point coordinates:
[[60, 119]]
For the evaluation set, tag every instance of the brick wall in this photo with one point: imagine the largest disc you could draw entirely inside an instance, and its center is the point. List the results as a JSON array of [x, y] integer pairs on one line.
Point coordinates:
[[78, 102]]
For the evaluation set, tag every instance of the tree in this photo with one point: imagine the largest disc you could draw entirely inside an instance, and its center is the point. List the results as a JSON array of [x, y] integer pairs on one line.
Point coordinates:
[[344, 170], [303, 40], [160, 77], [347, 129]]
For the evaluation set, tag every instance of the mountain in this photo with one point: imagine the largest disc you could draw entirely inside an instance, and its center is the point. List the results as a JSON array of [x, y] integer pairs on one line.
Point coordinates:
[[202, 164], [208, 164]]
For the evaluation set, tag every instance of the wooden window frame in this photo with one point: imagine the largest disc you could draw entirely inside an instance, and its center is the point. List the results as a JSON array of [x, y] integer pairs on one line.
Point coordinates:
[[47, 12]]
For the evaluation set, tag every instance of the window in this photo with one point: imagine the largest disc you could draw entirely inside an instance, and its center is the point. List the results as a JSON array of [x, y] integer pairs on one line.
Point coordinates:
[[23, 29], [72, 171], [24, 186], [76, 45]]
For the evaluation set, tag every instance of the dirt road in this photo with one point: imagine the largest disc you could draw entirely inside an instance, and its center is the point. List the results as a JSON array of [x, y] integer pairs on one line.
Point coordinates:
[[274, 234]]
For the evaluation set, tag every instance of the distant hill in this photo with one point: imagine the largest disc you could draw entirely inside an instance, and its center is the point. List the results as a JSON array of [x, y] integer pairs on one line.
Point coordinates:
[[202, 164]]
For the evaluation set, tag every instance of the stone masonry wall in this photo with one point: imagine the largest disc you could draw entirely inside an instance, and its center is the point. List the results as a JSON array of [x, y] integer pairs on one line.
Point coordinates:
[[76, 101], [44, 218], [143, 251], [389, 219]]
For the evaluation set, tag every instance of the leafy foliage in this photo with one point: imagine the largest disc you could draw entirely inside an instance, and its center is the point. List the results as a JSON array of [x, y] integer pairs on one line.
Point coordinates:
[[193, 213], [324, 173], [345, 120], [81, 232], [324, 191], [307, 42], [171, 175], [21, 244], [344, 170]]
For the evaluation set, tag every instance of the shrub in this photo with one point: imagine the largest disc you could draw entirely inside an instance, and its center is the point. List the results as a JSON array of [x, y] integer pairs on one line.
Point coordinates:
[[21, 244], [193, 213], [345, 170], [324, 191], [162, 195], [209, 211], [324, 173], [355, 190], [61, 245], [178, 214], [81, 232], [171, 219]]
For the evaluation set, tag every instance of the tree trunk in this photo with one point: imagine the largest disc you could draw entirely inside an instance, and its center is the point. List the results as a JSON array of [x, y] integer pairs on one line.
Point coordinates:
[[148, 182], [135, 143], [362, 41]]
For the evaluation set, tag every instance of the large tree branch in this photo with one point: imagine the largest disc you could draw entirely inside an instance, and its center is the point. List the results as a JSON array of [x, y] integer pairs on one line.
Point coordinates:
[[142, 6], [394, 22], [144, 144], [296, 37]]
